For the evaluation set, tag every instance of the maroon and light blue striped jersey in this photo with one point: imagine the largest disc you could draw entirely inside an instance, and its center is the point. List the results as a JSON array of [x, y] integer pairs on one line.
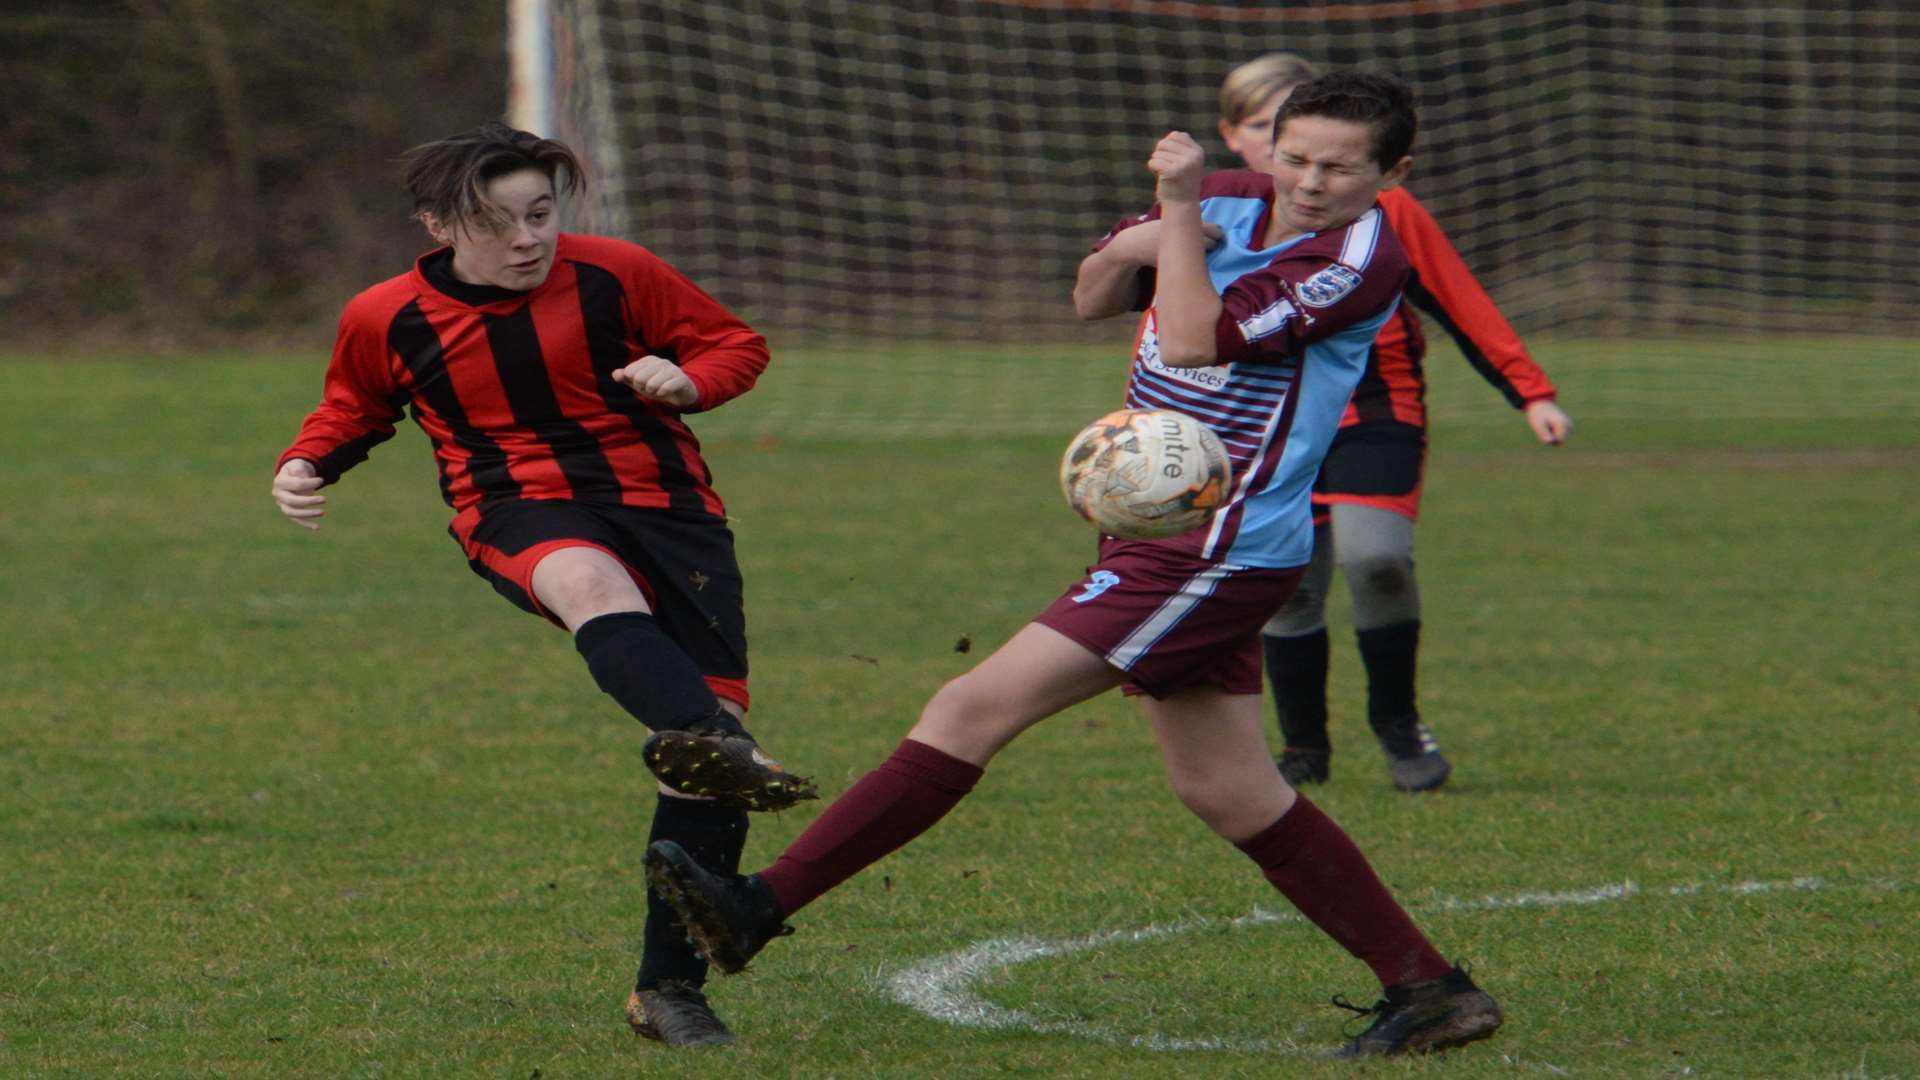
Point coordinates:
[[515, 390], [1296, 327]]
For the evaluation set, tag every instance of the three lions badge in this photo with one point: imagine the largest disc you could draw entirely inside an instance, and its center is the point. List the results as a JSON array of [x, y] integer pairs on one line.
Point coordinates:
[[1328, 285]]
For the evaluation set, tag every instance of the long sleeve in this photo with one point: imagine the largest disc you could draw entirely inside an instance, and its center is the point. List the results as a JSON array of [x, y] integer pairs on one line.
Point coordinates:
[[721, 354], [1271, 315], [360, 402], [1444, 288]]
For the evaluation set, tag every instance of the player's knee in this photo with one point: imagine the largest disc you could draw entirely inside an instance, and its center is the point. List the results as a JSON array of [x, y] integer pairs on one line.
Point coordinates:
[[1383, 575], [585, 594], [579, 585], [1191, 792], [962, 701], [969, 718], [1211, 802]]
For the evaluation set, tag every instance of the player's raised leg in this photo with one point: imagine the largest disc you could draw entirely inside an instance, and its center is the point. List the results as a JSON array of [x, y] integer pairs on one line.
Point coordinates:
[[698, 748], [635, 661], [1036, 674]]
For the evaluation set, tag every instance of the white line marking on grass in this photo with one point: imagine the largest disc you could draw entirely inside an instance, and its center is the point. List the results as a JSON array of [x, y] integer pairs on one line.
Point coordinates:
[[943, 988]]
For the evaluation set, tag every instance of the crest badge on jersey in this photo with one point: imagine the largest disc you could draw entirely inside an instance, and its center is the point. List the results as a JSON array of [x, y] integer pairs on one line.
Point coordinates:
[[1328, 285]]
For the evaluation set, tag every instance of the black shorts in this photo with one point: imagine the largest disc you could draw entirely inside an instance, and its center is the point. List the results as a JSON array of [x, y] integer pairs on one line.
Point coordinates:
[[682, 562], [1381, 463]]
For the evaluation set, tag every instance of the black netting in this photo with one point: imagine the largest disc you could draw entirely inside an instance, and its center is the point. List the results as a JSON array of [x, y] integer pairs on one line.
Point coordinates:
[[939, 169]]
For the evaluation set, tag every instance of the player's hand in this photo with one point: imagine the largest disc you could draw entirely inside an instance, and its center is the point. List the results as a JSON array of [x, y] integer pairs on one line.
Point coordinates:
[[296, 489], [1177, 164], [1549, 424], [660, 379]]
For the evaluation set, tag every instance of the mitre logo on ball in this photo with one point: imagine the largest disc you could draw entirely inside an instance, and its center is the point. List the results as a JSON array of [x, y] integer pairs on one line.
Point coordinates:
[[1146, 473]]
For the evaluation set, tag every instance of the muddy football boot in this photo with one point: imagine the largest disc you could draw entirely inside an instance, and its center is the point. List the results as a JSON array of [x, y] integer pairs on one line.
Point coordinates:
[[676, 1014], [1419, 1018], [728, 768], [730, 919]]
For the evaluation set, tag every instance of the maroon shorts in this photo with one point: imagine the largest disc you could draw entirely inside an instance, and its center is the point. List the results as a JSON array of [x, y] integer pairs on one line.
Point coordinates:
[[1170, 619]]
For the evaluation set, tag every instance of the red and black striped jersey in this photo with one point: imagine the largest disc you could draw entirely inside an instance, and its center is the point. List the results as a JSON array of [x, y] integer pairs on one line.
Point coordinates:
[[1394, 386], [515, 390]]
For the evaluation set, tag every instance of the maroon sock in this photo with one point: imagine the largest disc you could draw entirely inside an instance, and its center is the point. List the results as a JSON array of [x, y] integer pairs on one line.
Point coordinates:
[[887, 807], [1315, 865]]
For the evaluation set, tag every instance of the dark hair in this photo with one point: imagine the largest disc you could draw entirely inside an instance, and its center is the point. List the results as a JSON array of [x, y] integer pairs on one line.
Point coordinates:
[[1382, 102], [448, 177]]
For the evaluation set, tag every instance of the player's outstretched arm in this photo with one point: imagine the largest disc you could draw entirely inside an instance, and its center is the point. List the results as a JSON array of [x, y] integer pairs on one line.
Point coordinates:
[[1550, 424], [659, 379], [1109, 279], [296, 490]]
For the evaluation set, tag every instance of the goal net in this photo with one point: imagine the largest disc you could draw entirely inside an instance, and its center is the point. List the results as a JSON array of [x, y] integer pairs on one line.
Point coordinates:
[[889, 171]]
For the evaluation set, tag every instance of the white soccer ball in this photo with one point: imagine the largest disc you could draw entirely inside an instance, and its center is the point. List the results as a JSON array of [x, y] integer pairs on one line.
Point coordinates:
[[1146, 473]]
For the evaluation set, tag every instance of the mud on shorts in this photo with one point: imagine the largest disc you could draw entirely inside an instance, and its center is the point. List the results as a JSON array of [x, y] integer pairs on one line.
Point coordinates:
[[1171, 619], [682, 562]]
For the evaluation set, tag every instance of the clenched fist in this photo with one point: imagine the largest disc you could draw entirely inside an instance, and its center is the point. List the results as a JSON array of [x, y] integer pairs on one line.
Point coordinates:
[[296, 489], [660, 379]]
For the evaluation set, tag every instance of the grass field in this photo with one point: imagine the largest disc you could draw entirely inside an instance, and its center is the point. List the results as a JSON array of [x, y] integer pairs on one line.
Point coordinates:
[[282, 804]]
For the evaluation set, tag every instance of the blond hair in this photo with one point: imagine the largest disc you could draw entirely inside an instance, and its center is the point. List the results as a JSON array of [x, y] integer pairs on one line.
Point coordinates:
[[1254, 83]]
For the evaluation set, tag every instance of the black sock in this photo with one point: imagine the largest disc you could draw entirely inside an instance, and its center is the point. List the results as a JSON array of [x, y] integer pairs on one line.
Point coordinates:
[[1297, 669], [648, 673], [1390, 653], [714, 835]]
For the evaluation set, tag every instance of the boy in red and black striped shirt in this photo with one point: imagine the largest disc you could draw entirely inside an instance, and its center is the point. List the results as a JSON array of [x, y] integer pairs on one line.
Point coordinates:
[[551, 373]]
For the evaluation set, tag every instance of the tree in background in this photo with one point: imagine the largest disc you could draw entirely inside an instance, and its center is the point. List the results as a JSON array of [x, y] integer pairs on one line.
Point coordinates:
[[191, 171]]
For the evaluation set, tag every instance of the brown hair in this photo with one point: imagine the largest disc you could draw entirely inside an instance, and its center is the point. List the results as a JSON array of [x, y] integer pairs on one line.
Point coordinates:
[[1254, 83], [1382, 102], [448, 177]]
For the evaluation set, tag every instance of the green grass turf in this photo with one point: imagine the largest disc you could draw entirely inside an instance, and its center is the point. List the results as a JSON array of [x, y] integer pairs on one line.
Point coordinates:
[[289, 805]]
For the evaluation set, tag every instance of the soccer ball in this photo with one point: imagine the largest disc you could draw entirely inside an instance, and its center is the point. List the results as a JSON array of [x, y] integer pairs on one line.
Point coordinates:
[[1146, 473]]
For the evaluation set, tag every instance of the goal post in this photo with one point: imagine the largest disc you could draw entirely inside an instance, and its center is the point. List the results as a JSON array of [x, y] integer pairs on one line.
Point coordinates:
[[530, 62], [839, 168]]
